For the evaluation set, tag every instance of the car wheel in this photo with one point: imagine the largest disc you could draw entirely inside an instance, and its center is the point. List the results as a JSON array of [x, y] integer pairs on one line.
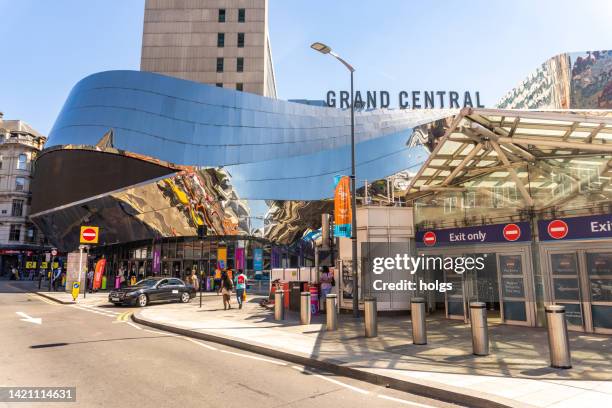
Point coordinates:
[[185, 298], [142, 300]]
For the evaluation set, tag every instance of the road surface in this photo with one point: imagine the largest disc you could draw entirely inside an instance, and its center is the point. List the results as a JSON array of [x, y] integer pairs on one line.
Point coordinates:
[[114, 362]]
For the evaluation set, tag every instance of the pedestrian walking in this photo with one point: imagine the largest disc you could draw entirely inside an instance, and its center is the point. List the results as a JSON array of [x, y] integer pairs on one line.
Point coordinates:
[[14, 273], [57, 279], [226, 291], [217, 281], [90, 278], [193, 279], [241, 281]]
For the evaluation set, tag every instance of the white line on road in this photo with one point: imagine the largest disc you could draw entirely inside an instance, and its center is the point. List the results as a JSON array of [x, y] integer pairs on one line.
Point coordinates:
[[416, 404], [255, 358], [200, 344], [161, 333], [29, 319], [350, 387], [133, 325]]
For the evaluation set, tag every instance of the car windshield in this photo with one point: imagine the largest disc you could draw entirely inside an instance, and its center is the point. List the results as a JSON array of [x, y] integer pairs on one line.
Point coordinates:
[[147, 282]]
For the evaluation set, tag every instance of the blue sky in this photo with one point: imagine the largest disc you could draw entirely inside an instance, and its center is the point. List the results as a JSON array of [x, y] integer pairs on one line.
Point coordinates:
[[489, 46]]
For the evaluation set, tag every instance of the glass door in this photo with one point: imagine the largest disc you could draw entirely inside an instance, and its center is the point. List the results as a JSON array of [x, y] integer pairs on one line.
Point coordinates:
[[455, 299], [566, 287], [513, 291], [599, 277]]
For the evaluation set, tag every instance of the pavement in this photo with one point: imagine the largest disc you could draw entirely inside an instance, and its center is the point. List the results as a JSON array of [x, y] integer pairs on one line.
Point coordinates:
[[516, 373], [113, 361]]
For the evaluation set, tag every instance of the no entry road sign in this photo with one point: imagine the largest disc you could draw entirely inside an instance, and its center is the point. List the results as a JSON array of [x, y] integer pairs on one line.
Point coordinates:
[[89, 235], [557, 229], [512, 232], [429, 238]]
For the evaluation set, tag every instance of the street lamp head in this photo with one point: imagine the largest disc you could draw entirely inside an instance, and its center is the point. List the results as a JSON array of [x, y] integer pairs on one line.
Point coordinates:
[[322, 48]]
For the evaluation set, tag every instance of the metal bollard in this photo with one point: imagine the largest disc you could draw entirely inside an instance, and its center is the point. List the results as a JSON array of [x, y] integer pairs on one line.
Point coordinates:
[[279, 305], [480, 334], [371, 324], [332, 312], [305, 308], [558, 340], [417, 313]]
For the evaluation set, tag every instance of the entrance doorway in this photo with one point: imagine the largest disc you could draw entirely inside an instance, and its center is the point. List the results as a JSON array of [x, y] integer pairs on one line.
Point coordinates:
[[581, 280]]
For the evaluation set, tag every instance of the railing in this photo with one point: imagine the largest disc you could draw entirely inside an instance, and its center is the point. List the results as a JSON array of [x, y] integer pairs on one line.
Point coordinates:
[[258, 287]]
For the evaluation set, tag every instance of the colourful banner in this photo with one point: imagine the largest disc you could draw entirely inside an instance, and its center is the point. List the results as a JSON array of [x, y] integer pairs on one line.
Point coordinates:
[[239, 259], [342, 207], [97, 283], [157, 260], [258, 259], [221, 258]]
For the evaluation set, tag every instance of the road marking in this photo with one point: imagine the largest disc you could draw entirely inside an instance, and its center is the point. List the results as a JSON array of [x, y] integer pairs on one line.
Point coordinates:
[[133, 325], [160, 333], [350, 387], [255, 358], [87, 309], [29, 319], [201, 344], [123, 317], [415, 404]]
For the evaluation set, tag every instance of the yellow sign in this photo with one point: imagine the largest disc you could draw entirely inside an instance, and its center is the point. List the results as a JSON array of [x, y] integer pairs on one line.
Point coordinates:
[[89, 235], [30, 264], [75, 290], [44, 265]]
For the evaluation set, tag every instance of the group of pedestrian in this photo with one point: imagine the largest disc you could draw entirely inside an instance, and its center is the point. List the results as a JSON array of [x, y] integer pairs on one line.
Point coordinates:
[[225, 285]]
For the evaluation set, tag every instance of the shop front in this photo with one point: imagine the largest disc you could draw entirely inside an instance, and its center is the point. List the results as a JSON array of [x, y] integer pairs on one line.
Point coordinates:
[[502, 276]]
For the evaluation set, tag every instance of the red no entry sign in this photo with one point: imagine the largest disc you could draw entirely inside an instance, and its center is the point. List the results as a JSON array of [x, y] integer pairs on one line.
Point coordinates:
[[89, 235], [512, 232], [557, 229], [429, 238]]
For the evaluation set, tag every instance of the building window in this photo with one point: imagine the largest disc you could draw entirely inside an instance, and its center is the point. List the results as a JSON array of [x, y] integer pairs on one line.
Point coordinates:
[[241, 15], [15, 232], [221, 40], [21, 162], [219, 64], [19, 183], [239, 86], [17, 210], [240, 64], [30, 235], [219, 85], [222, 15], [240, 40]]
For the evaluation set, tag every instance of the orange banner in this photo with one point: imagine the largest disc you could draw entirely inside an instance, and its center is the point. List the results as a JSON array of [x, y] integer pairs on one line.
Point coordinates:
[[342, 208], [98, 273]]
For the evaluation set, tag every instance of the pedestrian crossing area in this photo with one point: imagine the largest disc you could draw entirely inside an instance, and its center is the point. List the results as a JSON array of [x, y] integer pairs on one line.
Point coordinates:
[[100, 311]]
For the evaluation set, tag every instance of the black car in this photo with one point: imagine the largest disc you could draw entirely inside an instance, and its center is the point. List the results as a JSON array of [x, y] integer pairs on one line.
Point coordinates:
[[152, 290]]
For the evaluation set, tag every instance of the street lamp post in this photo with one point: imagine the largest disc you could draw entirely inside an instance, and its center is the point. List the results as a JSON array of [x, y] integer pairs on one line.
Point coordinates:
[[324, 49]]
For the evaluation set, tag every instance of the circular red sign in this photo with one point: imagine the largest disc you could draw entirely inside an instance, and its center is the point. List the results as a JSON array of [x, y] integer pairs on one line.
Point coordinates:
[[89, 234], [512, 232], [557, 229], [429, 238]]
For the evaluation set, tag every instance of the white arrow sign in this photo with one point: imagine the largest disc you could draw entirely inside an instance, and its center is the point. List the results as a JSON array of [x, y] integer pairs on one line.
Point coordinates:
[[26, 318]]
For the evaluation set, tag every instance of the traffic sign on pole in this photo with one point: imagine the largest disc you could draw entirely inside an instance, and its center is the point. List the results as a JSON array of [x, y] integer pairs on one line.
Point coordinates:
[[89, 235]]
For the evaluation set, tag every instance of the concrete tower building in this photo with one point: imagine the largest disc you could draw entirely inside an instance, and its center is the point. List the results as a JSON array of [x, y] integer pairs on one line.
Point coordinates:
[[218, 42]]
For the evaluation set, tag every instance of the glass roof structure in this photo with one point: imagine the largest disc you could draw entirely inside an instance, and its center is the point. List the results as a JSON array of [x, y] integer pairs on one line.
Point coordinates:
[[515, 161]]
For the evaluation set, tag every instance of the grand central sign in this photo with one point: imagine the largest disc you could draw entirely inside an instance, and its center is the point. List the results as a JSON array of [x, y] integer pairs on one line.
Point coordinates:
[[405, 99]]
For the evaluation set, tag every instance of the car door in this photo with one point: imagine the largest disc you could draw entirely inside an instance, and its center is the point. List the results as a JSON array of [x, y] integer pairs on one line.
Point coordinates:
[[175, 288], [160, 292]]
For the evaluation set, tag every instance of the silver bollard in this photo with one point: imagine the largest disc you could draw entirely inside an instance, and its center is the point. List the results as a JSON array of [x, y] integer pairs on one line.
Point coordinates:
[[480, 334], [279, 305], [371, 324], [417, 314], [305, 308], [558, 340], [332, 312]]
